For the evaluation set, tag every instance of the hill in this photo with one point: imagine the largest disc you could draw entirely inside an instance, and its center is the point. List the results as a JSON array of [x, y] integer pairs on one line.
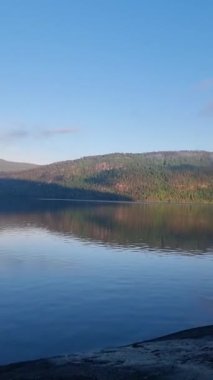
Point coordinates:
[[160, 176], [9, 166]]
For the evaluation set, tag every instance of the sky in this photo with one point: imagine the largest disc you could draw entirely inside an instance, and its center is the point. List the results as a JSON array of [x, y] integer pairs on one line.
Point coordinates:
[[87, 77]]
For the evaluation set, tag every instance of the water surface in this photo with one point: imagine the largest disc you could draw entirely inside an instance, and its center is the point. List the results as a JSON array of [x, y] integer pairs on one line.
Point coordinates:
[[83, 276]]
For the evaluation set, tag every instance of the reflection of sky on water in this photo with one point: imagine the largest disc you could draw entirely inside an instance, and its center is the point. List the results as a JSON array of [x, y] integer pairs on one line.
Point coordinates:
[[86, 278]]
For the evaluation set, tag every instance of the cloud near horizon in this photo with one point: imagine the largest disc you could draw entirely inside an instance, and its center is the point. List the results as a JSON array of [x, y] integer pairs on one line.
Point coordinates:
[[22, 133], [14, 135], [57, 131]]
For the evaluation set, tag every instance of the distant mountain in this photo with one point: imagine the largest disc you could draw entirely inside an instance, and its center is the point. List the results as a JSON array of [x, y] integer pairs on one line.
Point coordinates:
[[8, 166], [159, 176]]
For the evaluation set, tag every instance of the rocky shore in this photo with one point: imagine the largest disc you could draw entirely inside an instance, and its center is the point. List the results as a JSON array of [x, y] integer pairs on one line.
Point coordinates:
[[186, 355]]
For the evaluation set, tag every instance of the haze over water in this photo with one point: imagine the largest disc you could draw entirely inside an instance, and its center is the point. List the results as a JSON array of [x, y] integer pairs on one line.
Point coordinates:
[[83, 276]]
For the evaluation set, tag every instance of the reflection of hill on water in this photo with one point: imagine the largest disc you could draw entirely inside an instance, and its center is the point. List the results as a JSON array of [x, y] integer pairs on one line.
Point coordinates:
[[157, 226]]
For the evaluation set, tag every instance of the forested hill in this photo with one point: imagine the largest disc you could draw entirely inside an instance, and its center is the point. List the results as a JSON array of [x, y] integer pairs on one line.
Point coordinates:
[[9, 166], [160, 176]]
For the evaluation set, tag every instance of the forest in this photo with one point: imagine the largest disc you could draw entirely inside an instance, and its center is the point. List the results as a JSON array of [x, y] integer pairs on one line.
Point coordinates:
[[185, 176]]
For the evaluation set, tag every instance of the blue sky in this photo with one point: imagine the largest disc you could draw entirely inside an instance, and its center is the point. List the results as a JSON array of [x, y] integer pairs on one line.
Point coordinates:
[[84, 77]]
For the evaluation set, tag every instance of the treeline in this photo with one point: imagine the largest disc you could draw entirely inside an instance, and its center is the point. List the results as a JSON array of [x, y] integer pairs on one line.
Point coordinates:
[[162, 176]]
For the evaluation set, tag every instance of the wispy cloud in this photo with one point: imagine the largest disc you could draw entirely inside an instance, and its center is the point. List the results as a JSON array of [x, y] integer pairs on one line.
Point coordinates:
[[58, 131], [22, 133], [14, 135], [204, 85], [207, 110]]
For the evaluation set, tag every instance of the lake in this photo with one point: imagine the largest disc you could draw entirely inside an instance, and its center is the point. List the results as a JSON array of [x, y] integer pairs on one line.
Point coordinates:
[[79, 276]]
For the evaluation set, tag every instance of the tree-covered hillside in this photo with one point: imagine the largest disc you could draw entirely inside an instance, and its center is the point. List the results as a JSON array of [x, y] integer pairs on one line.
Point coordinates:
[[162, 176]]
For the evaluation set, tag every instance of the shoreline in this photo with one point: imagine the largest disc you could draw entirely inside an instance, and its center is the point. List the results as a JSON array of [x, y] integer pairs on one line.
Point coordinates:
[[172, 202], [186, 354], [82, 200]]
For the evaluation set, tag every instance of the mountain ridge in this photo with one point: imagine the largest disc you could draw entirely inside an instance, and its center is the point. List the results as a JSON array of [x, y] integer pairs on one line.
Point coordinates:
[[13, 166], [156, 176]]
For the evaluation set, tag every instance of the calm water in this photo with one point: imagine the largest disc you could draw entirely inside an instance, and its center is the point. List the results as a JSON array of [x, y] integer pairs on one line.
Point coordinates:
[[83, 276]]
